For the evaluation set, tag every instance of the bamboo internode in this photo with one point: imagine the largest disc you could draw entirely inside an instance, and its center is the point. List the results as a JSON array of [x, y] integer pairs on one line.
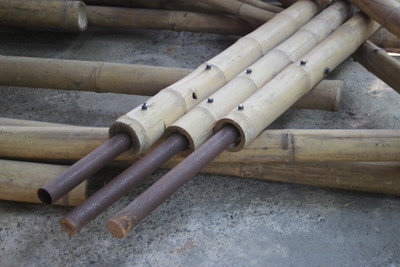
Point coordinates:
[[196, 125], [263, 107], [20, 180], [49, 14], [129, 18], [378, 62], [385, 12], [146, 125]]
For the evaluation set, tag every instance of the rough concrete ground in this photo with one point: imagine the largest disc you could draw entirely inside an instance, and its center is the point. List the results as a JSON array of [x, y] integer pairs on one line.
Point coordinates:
[[213, 220]]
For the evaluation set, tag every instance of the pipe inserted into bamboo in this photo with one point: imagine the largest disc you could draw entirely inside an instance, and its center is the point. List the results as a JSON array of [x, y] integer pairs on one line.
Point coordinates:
[[49, 14], [129, 18], [383, 38], [87, 75], [19, 181], [59, 143], [385, 12], [378, 62], [235, 7]]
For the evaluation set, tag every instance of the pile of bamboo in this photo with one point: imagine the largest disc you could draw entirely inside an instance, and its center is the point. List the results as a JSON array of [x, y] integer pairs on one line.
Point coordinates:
[[210, 119]]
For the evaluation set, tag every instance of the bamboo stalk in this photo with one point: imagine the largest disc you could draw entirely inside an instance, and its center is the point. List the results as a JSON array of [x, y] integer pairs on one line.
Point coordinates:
[[49, 14], [87, 75], [20, 180], [130, 18], [383, 38], [263, 5], [19, 122], [385, 12], [268, 103], [147, 124], [59, 143], [378, 62], [241, 9]]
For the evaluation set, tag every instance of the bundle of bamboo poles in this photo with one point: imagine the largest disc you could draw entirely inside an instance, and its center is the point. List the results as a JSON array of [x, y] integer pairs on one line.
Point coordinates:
[[270, 69]]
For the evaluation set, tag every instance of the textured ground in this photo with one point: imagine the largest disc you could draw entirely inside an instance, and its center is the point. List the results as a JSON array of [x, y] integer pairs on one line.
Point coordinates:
[[212, 220]]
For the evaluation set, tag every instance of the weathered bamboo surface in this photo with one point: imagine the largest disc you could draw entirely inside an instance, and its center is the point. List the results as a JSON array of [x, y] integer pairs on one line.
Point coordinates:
[[378, 62], [383, 38], [129, 18], [49, 14], [197, 124], [267, 104], [385, 12], [263, 5], [87, 75], [146, 125], [59, 143], [19, 181], [241, 9], [368, 177]]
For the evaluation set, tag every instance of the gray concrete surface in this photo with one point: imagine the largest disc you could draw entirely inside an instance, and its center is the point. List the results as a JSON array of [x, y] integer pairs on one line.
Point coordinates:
[[213, 220]]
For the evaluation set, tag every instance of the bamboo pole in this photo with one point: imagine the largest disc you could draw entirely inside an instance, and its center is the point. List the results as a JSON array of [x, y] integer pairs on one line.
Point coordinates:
[[385, 12], [129, 18], [245, 10], [197, 124], [87, 75], [268, 103], [20, 180], [263, 5], [383, 38], [378, 62], [146, 124], [19, 122], [48, 14], [59, 143]]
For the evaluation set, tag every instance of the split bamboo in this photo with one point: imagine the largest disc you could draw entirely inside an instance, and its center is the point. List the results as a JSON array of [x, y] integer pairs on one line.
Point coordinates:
[[242, 9], [49, 14], [197, 124], [378, 62], [130, 18], [385, 12], [267, 104], [383, 38], [263, 5], [145, 124], [87, 75], [59, 143], [20, 180]]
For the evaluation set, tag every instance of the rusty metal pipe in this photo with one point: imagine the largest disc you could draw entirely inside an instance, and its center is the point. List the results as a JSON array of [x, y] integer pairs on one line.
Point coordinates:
[[137, 210], [84, 168], [123, 183]]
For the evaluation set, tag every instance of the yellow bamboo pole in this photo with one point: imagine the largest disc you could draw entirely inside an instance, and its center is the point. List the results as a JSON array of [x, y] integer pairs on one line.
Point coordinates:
[[19, 181], [267, 104], [385, 12], [241, 9], [129, 18], [383, 38], [147, 125], [48, 14], [378, 62], [197, 124], [60, 143], [87, 75]]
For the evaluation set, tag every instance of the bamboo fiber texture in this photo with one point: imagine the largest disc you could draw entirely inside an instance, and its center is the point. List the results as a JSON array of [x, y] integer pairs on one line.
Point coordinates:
[[378, 62], [60, 143], [146, 125], [87, 75], [49, 14], [129, 18], [267, 104], [20, 180], [197, 124], [263, 5], [383, 38], [385, 12]]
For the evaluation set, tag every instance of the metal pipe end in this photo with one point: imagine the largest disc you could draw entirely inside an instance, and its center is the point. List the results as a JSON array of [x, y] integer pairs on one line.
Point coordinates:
[[44, 196], [120, 226], [68, 227]]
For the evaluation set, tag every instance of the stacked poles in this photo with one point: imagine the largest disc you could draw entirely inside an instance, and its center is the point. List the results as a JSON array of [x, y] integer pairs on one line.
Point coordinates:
[[241, 126], [145, 124]]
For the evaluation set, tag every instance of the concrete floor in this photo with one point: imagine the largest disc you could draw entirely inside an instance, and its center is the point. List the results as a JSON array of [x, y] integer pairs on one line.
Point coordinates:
[[213, 220]]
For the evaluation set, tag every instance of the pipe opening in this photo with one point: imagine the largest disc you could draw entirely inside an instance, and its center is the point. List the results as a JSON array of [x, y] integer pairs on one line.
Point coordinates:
[[44, 196]]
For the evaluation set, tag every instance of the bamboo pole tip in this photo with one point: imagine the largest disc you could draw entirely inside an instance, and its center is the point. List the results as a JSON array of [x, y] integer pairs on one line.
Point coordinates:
[[68, 227], [44, 196], [120, 226]]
